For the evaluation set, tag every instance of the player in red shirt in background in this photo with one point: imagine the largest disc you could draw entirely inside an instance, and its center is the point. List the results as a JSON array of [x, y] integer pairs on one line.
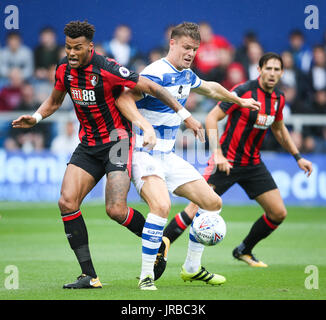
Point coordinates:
[[95, 85], [236, 159]]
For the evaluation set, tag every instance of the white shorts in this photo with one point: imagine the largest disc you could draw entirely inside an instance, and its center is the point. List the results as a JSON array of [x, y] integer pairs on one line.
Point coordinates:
[[174, 170]]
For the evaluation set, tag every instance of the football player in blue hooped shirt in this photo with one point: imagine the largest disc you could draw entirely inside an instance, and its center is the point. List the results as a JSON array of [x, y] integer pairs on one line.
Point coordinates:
[[160, 171]]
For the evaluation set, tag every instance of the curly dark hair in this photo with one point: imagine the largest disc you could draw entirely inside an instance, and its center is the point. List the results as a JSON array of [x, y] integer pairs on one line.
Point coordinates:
[[75, 29]]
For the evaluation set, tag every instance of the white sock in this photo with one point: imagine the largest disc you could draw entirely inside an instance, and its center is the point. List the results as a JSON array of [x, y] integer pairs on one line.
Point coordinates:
[[151, 242], [194, 254]]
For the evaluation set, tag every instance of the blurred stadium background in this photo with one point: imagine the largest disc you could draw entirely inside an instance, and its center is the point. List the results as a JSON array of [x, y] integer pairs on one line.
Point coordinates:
[[235, 34]]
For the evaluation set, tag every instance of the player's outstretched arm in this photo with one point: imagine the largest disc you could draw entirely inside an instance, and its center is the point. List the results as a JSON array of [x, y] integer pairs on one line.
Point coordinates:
[[48, 107], [283, 137], [152, 88], [215, 91], [215, 115], [126, 104]]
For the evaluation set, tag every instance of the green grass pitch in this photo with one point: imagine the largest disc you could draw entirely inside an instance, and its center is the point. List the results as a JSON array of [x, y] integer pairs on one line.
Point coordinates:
[[32, 239]]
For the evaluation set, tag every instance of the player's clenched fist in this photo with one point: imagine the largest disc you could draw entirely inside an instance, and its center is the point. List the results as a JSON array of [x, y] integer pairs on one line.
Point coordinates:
[[149, 138]]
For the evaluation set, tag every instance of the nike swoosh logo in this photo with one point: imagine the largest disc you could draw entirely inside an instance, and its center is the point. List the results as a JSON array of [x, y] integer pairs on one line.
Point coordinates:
[[93, 282]]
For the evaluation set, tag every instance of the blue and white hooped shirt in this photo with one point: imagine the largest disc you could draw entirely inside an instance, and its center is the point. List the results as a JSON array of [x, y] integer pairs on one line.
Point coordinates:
[[164, 120]]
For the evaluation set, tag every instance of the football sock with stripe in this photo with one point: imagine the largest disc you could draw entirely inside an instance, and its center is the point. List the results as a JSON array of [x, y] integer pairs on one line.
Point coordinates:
[[262, 228], [135, 222], [194, 254], [151, 241], [77, 236], [176, 226]]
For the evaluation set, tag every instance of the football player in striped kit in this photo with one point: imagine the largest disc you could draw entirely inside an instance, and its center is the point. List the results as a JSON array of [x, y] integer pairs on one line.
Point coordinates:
[[157, 172]]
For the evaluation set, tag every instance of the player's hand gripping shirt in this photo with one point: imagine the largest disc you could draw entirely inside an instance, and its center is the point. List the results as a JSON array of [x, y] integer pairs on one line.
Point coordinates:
[[93, 90], [245, 130], [163, 119]]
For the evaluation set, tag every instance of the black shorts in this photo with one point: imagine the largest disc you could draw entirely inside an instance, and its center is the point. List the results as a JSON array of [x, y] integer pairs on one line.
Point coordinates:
[[254, 179], [100, 160]]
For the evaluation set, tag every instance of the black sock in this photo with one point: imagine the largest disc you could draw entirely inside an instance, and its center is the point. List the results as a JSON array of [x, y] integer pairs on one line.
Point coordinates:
[[77, 236], [176, 226], [262, 228], [135, 222]]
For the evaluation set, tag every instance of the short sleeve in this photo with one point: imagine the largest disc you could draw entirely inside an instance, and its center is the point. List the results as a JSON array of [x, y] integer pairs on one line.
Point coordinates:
[[123, 76], [195, 81], [59, 76], [279, 112]]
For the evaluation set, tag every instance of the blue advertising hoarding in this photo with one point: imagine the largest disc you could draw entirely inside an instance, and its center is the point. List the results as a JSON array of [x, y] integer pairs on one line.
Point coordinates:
[[37, 177]]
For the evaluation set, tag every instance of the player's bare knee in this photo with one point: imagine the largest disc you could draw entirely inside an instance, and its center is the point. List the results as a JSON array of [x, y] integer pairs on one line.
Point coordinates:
[[278, 215], [67, 204], [117, 212], [161, 208], [219, 202], [281, 215], [213, 203]]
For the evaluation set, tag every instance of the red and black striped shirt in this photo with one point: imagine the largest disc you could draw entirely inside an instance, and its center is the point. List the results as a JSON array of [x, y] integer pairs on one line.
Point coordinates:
[[245, 130], [93, 90]]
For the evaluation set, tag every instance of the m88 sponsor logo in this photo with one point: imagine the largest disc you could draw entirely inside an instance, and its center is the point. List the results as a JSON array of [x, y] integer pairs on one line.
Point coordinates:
[[83, 96]]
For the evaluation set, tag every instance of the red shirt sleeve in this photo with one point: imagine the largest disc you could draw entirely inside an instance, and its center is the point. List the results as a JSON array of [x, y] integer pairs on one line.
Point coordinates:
[[279, 113], [59, 76], [120, 75]]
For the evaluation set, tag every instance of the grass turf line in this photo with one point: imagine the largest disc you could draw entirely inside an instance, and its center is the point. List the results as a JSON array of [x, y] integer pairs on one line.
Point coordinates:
[[33, 240]]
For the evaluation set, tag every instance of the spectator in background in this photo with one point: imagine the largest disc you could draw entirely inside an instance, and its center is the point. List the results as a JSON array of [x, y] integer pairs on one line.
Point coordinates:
[[99, 49], [24, 140], [235, 74], [164, 47], [120, 48], [139, 65], [313, 136], [241, 52], [317, 73], [44, 88], [226, 58], [28, 102], [321, 141], [254, 52], [209, 54], [301, 53], [319, 102], [16, 55], [11, 95], [309, 144], [39, 136], [67, 141], [62, 52], [293, 102], [155, 54], [294, 77], [46, 53]]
